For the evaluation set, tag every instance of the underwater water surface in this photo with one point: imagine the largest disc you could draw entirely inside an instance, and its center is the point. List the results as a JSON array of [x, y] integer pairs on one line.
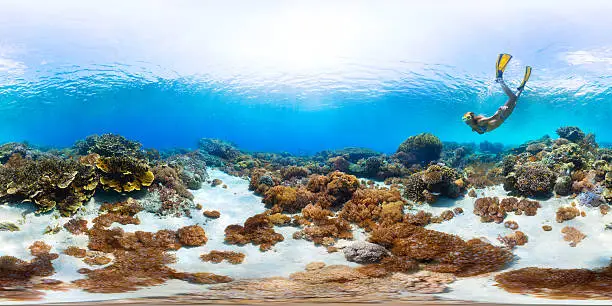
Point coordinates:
[[297, 77]]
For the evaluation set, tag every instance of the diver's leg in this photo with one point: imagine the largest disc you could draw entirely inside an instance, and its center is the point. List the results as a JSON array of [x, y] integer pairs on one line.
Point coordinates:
[[507, 90]]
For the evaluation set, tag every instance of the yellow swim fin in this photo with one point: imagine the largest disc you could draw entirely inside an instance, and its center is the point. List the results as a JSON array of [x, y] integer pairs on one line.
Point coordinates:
[[502, 61], [525, 78]]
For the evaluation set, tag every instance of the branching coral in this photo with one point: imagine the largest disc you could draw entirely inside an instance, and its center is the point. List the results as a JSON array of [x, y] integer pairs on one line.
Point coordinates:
[[48, 182], [124, 174]]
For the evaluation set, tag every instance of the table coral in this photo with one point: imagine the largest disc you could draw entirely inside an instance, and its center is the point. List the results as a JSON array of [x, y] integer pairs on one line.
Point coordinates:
[[124, 174]]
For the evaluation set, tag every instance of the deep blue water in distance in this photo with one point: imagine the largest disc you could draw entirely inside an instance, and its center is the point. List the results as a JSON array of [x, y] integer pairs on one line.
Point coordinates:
[[63, 80]]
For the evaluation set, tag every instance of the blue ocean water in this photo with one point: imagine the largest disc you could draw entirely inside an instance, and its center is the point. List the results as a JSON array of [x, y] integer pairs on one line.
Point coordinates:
[[297, 77]]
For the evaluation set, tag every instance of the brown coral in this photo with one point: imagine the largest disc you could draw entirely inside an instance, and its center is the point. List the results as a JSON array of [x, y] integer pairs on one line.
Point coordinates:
[[288, 199], [28, 276], [567, 213], [441, 252], [514, 239], [370, 205], [257, 230], [76, 226], [192, 235], [75, 252], [324, 229], [511, 224], [213, 214], [559, 283], [140, 260], [489, 210], [572, 235], [219, 256]]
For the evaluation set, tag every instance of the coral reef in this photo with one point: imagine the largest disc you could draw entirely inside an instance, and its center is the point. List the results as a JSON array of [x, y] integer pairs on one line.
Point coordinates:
[[323, 228], [192, 235], [109, 145], [288, 199], [493, 210], [571, 133], [48, 182], [23, 280], [219, 256], [218, 148], [422, 148], [436, 180]]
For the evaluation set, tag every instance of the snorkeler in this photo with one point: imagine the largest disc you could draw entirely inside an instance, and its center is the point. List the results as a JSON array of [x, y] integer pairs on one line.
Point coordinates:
[[481, 124]]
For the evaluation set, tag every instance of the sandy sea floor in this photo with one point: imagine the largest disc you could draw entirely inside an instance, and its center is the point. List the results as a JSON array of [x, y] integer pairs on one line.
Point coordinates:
[[236, 204]]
